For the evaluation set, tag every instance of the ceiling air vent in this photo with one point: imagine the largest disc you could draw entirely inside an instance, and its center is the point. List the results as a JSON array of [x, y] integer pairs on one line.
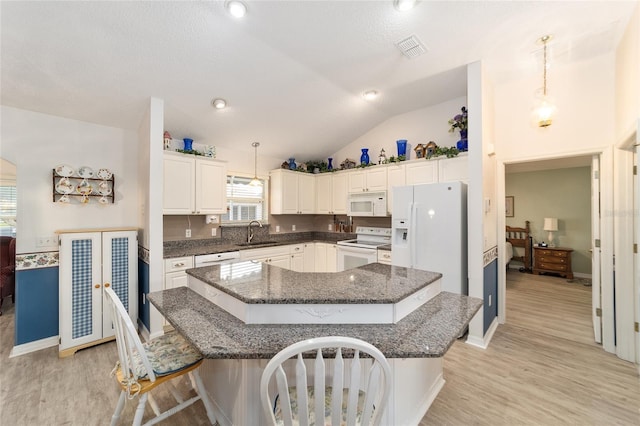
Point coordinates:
[[411, 47]]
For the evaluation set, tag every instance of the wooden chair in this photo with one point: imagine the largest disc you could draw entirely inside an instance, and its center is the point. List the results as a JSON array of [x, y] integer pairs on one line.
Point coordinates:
[[142, 367], [343, 402]]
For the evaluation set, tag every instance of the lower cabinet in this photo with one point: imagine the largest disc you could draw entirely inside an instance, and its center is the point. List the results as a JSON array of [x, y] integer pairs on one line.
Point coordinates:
[[175, 274], [326, 257], [90, 262], [297, 257], [309, 264]]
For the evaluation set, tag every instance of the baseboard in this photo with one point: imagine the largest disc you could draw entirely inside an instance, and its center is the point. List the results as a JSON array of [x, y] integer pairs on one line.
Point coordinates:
[[581, 275], [486, 339], [142, 330], [34, 346]]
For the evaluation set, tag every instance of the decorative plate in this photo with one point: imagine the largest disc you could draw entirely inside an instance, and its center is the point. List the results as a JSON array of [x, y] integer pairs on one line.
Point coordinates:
[[84, 188], [85, 172], [64, 170], [64, 186], [104, 189], [104, 174]]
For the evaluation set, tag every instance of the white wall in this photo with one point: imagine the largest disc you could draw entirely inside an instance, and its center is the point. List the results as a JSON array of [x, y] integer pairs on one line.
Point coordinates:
[[36, 143], [419, 126], [583, 93], [627, 78]]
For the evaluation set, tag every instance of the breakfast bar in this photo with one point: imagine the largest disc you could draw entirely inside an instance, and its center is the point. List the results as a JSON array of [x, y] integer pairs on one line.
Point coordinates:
[[211, 313]]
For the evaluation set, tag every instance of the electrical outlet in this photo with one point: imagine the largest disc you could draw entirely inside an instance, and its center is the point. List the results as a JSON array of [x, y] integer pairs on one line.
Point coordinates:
[[47, 241], [187, 233], [214, 231], [277, 228], [293, 227], [490, 300]]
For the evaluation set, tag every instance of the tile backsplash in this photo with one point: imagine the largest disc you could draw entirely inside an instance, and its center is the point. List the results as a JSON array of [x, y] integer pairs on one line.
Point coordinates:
[[174, 226]]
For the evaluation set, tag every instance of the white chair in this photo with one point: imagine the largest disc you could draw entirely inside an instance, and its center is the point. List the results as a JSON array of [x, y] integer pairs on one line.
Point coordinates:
[[348, 406], [142, 367]]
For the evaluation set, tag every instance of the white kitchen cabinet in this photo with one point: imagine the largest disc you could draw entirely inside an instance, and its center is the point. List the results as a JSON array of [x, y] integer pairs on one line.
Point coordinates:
[[331, 193], [193, 185], [297, 257], [276, 256], [384, 257], [326, 257], [395, 177], [424, 171], [372, 178], [292, 192], [175, 274], [89, 262], [332, 258], [453, 169], [309, 264]]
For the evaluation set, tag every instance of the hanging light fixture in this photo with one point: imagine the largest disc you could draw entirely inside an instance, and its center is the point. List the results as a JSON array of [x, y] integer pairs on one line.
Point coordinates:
[[255, 181], [545, 108]]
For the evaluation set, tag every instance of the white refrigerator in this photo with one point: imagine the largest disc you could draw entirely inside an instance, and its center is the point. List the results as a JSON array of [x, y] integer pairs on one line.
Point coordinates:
[[429, 231]]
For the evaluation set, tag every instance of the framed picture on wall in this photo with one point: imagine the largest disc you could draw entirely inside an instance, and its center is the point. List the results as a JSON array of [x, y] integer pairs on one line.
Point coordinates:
[[508, 206]]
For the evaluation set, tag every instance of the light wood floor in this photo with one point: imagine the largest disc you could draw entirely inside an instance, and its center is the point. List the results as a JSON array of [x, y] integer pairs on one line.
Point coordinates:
[[541, 368]]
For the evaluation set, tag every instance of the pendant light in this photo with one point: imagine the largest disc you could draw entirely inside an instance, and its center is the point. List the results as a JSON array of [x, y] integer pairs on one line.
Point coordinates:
[[545, 109], [255, 181]]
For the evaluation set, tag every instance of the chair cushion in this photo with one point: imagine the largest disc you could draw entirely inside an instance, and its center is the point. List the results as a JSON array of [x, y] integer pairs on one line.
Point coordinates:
[[167, 354], [277, 410]]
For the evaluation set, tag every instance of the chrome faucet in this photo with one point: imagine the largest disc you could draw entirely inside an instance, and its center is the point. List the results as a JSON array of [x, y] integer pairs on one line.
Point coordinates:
[[250, 230]]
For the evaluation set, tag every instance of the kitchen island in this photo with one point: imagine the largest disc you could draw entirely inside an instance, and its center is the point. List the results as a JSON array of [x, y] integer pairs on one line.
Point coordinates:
[[237, 352]]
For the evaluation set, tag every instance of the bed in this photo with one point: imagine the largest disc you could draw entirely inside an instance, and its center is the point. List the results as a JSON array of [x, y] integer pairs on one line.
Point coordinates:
[[519, 238]]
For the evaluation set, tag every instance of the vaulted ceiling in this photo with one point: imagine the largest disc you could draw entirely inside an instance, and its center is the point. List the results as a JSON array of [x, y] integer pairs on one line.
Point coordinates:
[[292, 72]]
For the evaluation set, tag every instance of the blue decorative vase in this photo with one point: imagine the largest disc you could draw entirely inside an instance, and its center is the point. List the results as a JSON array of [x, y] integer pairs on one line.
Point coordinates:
[[330, 166], [364, 158], [462, 144], [188, 144], [402, 147], [292, 164]]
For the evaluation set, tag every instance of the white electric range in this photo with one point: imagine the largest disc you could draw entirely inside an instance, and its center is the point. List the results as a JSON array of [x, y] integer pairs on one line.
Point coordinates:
[[363, 249]]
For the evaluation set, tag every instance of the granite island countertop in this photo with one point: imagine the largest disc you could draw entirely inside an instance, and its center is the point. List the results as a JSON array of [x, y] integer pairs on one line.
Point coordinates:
[[257, 283], [427, 332]]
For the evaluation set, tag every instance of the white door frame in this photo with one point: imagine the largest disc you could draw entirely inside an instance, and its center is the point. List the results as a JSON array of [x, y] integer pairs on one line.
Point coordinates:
[[606, 229]]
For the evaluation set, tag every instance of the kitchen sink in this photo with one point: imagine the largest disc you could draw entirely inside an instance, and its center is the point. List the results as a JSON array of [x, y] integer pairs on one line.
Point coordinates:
[[258, 243]]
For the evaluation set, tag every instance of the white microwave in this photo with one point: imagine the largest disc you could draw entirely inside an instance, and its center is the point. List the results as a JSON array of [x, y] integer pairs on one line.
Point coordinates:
[[367, 204]]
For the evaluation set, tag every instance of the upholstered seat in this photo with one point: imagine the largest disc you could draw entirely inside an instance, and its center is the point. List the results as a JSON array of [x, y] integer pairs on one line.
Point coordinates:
[[7, 269]]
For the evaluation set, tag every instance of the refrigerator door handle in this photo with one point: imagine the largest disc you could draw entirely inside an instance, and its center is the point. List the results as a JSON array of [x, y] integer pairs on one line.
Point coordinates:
[[412, 233]]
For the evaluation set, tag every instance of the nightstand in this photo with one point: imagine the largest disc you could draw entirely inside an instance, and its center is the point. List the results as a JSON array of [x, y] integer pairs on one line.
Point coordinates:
[[552, 259]]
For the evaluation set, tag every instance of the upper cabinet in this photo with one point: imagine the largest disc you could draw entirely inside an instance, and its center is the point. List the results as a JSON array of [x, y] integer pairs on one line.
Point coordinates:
[[331, 193], [194, 185], [422, 172], [292, 192], [452, 169], [326, 193], [368, 179]]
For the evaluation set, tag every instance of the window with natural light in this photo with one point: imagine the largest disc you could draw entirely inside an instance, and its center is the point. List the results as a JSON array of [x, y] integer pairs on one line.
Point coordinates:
[[7, 209], [245, 202]]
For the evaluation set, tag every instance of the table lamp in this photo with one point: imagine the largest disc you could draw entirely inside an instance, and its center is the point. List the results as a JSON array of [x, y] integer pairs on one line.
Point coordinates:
[[551, 225]]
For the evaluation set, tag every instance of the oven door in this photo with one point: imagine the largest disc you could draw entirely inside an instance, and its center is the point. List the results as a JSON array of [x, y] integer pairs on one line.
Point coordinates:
[[350, 257]]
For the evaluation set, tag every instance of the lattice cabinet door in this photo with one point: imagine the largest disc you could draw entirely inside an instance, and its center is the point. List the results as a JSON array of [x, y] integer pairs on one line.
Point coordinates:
[[89, 262], [80, 289], [120, 271]]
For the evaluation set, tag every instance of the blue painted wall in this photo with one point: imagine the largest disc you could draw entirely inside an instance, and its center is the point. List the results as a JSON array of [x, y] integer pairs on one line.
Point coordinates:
[[490, 288], [36, 304], [144, 310]]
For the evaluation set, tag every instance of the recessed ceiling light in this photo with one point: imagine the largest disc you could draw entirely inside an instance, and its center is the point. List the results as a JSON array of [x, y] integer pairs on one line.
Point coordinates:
[[236, 8], [219, 103], [404, 5], [370, 95]]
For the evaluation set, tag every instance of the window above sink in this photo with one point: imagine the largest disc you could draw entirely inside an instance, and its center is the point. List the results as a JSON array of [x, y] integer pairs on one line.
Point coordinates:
[[245, 202]]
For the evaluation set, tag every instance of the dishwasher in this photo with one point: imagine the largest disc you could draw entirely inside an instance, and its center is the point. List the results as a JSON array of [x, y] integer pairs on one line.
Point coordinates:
[[216, 259]]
